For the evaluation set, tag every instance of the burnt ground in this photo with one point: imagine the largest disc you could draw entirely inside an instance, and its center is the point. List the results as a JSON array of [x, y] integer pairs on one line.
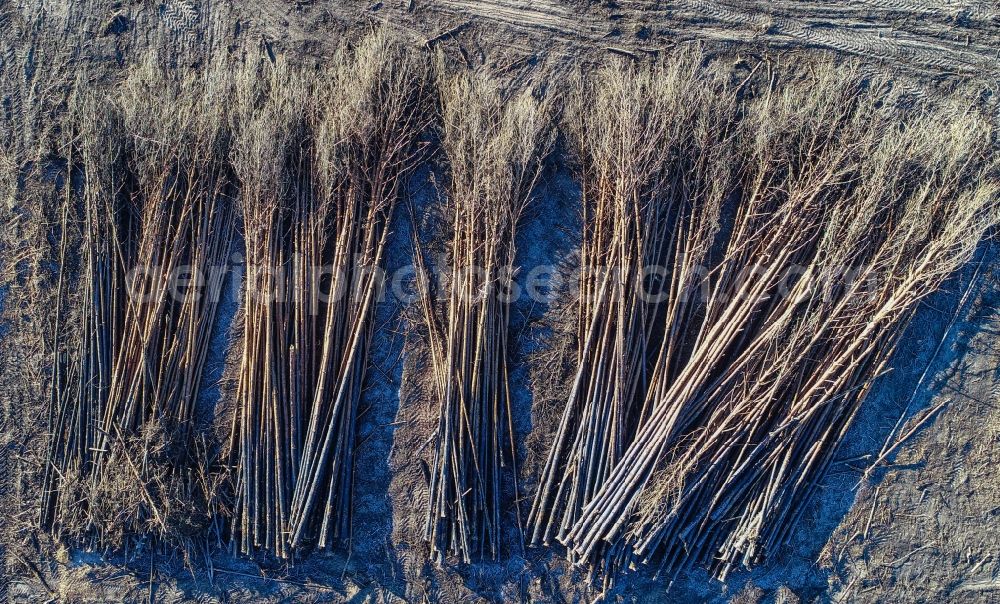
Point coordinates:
[[920, 527]]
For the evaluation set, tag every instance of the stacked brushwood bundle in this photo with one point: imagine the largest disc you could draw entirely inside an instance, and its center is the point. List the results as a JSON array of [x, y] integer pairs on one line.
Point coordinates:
[[495, 144], [321, 160], [121, 457], [269, 126], [794, 242], [654, 177]]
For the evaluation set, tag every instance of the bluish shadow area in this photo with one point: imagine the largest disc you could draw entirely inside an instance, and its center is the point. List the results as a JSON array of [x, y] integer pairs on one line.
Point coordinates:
[[4, 323], [221, 339], [372, 556], [548, 236]]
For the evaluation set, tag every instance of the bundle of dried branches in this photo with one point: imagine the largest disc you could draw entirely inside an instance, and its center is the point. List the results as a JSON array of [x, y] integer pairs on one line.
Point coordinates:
[[653, 144], [269, 133], [156, 222], [495, 146], [839, 213], [321, 160]]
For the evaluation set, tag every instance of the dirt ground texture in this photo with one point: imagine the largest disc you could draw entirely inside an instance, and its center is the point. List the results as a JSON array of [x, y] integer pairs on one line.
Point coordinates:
[[920, 527]]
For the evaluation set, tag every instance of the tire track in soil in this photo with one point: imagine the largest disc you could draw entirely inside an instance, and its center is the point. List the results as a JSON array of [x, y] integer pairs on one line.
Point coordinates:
[[854, 31], [928, 38]]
